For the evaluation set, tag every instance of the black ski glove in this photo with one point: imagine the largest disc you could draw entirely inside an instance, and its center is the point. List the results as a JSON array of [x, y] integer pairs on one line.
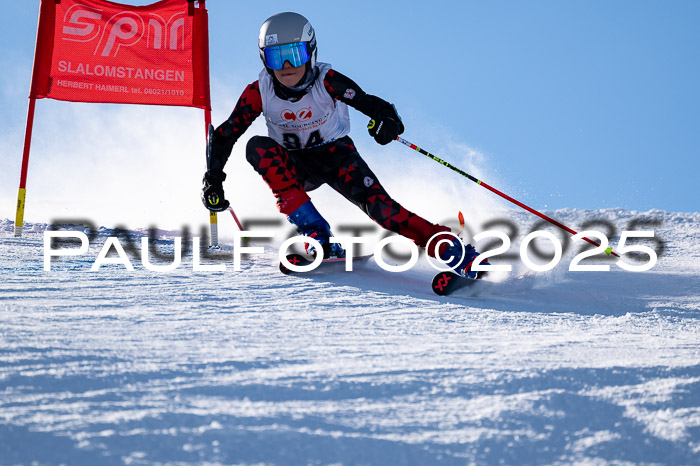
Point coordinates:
[[386, 126], [213, 191]]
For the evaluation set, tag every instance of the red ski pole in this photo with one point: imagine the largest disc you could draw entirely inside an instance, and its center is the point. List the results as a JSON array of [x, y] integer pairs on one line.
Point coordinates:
[[496, 191]]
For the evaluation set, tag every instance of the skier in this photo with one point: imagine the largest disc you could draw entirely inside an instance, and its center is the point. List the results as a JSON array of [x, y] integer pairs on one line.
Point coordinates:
[[305, 107]]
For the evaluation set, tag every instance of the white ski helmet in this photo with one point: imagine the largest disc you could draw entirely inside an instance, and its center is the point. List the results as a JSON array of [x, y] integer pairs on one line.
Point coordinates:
[[287, 37]]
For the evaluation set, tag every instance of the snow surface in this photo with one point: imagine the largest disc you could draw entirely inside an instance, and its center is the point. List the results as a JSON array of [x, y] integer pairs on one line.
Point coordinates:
[[139, 367]]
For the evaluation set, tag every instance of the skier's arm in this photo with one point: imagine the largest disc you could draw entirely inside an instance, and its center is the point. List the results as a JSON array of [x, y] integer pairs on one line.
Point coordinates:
[[342, 88], [248, 108], [386, 123]]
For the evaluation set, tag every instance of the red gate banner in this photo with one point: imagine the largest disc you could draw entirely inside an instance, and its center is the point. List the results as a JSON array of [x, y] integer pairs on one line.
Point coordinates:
[[101, 51]]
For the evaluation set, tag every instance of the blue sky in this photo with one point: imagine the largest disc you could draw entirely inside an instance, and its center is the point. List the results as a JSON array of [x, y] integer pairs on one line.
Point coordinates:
[[580, 104]]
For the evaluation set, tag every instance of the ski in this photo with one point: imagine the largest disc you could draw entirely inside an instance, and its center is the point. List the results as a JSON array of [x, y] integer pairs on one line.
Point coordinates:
[[447, 282], [327, 265]]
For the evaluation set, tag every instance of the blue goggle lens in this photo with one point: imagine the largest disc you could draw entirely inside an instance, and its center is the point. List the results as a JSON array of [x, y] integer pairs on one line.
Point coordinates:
[[297, 54]]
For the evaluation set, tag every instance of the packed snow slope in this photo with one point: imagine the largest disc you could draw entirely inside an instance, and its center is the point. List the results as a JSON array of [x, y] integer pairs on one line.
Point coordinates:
[[139, 367]]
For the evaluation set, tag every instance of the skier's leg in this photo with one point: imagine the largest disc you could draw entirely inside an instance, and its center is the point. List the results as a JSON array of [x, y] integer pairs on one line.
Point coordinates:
[[273, 163], [355, 180], [345, 171]]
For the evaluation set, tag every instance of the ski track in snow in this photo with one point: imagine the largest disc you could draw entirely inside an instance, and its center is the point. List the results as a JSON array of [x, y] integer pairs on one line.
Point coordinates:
[[370, 367]]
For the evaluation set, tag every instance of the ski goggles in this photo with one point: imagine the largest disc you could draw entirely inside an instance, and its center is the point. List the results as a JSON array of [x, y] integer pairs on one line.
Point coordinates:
[[296, 54]]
